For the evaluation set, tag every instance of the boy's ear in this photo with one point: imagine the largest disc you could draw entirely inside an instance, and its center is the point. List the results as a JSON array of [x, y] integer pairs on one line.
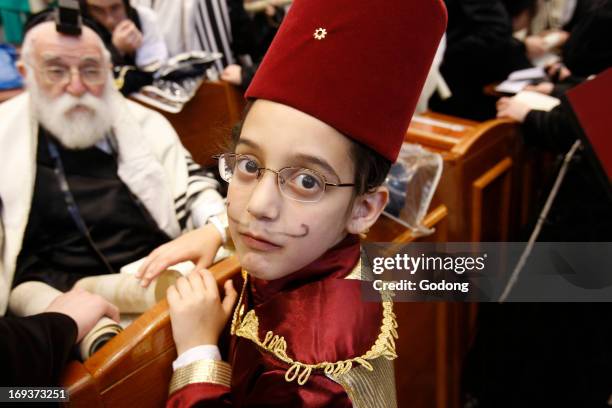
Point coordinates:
[[366, 210]]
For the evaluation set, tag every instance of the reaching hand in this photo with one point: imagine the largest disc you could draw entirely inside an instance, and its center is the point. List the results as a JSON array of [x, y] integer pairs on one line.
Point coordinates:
[[199, 246], [197, 313], [558, 71], [545, 88], [85, 308], [232, 74], [511, 108]]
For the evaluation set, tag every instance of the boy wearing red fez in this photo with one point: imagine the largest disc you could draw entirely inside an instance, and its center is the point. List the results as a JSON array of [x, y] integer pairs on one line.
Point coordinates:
[[331, 103]]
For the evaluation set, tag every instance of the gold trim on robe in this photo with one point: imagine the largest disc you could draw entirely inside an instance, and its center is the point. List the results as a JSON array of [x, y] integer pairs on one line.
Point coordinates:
[[247, 326], [368, 379], [370, 389], [202, 371]]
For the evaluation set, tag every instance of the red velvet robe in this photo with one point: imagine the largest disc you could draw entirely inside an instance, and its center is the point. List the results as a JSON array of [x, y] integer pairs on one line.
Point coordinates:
[[321, 316]]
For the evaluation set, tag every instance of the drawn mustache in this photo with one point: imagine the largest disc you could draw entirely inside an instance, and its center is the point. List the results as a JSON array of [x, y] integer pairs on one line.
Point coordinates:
[[305, 230]]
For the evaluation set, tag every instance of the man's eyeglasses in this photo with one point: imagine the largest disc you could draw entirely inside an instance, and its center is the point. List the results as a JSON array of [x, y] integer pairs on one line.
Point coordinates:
[[91, 74], [296, 183]]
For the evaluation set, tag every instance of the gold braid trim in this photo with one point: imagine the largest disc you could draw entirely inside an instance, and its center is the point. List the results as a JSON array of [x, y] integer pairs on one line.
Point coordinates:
[[201, 371], [120, 80], [248, 328]]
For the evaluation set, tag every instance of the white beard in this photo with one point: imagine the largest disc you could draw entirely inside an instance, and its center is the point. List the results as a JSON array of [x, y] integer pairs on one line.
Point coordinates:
[[78, 129]]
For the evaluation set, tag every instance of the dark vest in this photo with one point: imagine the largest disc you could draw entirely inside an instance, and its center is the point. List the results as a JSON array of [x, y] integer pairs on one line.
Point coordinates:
[[54, 250]]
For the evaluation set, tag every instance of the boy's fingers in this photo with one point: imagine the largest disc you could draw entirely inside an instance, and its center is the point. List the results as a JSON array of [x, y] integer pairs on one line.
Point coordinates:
[[154, 269], [183, 286], [230, 297], [201, 264], [145, 282], [196, 282], [205, 261], [172, 295], [146, 264], [209, 282], [143, 267]]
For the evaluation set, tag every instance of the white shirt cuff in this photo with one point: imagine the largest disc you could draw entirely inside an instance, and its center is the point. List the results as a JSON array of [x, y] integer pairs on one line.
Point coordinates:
[[220, 224], [209, 203], [204, 352]]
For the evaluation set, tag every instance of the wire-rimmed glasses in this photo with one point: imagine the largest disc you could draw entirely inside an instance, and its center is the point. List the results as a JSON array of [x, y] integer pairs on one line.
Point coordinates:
[[297, 183]]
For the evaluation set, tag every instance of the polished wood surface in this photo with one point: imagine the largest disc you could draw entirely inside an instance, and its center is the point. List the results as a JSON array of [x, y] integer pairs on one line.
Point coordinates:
[[501, 170], [7, 94], [204, 124]]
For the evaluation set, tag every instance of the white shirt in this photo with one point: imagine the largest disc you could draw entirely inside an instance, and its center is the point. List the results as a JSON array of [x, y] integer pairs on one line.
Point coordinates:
[[204, 352]]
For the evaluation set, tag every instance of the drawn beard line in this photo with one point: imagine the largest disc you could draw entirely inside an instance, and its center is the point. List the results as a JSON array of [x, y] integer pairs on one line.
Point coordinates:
[[304, 233]]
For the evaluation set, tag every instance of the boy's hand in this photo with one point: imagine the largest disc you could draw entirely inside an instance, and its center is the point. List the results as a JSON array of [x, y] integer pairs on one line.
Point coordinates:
[[197, 313], [199, 246]]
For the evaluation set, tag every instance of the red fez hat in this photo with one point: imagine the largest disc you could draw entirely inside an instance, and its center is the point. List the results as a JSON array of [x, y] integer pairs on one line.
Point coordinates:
[[357, 65]]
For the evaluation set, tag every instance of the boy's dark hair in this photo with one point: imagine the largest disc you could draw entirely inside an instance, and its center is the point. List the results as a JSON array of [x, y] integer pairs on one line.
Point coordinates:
[[371, 168]]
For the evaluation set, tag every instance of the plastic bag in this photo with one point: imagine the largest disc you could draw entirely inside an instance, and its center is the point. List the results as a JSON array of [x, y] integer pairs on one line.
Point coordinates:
[[412, 182], [9, 76], [177, 81], [187, 65]]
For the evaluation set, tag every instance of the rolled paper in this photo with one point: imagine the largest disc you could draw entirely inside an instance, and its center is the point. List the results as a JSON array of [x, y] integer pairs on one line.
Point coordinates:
[[125, 292], [101, 333], [33, 297]]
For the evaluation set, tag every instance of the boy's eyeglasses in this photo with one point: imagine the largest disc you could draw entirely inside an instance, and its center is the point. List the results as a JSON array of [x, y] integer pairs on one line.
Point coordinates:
[[296, 183]]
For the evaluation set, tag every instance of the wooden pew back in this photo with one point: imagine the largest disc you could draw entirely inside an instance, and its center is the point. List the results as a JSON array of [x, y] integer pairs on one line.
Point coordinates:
[[205, 122]]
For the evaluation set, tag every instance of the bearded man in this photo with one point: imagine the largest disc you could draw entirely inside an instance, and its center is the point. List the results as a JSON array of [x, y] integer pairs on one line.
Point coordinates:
[[90, 181]]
